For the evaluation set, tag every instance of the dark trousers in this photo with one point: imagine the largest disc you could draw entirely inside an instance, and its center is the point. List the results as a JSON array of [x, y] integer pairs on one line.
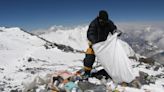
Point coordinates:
[[88, 62]]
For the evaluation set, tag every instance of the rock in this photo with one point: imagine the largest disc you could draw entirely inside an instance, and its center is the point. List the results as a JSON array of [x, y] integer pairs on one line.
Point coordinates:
[[97, 88], [10, 79], [9, 87], [20, 70], [157, 67], [147, 60], [148, 67], [89, 87], [4, 82], [30, 59], [84, 85], [139, 64], [160, 75], [133, 57], [143, 74], [135, 83], [46, 46], [28, 69], [14, 90], [1, 89], [143, 78], [20, 91], [146, 79], [133, 66], [32, 72], [151, 79], [1, 68]]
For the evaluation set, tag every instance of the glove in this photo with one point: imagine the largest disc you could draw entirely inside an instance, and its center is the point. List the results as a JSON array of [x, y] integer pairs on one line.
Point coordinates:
[[90, 43], [119, 34], [118, 31]]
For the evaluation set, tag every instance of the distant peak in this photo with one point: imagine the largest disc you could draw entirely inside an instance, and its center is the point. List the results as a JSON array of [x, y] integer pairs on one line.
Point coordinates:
[[55, 28]]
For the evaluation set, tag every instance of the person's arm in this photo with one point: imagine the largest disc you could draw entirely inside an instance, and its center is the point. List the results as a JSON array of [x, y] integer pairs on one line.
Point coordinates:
[[113, 27], [91, 33]]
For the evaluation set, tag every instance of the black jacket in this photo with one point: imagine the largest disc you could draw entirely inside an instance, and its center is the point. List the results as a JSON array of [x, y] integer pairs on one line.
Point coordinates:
[[97, 33]]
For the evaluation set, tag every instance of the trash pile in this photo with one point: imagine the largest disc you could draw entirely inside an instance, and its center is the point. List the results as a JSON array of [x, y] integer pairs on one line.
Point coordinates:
[[65, 81]]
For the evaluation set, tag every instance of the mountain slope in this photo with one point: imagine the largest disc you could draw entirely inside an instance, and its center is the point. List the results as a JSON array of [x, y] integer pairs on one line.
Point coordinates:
[[15, 44], [74, 37], [24, 56]]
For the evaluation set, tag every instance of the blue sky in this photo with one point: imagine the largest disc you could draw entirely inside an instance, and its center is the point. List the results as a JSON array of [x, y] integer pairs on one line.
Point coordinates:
[[35, 14]]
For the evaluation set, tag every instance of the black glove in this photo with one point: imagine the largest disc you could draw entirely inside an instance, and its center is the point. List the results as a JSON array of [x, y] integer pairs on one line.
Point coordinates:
[[119, 34], [118, 31]]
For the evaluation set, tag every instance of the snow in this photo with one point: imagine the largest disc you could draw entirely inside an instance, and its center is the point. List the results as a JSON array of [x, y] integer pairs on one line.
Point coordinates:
[[17, 47], [15, 44], [74, 37]]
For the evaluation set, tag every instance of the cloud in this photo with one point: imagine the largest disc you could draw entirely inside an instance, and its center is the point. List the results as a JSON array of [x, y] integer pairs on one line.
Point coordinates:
[[161, 43]]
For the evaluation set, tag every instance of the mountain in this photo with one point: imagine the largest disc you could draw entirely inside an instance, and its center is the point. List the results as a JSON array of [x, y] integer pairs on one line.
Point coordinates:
[[74, 37], [23, 56], [145, 38], [15, 44]]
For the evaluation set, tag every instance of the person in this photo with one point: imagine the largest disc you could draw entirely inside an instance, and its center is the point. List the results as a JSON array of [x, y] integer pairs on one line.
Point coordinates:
[[98, 31]]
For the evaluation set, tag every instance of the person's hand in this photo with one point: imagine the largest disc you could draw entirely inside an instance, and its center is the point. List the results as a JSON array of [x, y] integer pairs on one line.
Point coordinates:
[[89, 43], [119, 33]]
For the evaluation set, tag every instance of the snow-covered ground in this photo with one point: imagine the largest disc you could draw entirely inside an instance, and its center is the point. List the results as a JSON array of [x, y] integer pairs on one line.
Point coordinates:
[[23, 57]]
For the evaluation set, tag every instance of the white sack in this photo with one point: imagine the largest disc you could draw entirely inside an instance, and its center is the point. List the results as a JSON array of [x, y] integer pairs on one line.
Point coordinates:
[[114, 59]]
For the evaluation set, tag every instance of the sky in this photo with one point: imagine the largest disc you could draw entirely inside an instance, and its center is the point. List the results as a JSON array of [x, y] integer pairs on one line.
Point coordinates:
[[36, 14]]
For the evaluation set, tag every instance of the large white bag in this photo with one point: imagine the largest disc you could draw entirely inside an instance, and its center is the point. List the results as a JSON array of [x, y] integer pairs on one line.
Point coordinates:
[[114, 59]]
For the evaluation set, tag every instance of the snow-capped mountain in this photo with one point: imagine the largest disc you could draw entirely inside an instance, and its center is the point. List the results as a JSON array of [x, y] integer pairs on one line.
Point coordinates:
[[145, 39], [23, 56], [74, 37]]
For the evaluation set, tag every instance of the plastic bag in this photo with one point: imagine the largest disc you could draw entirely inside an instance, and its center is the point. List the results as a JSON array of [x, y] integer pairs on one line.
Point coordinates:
[[114, 59]]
